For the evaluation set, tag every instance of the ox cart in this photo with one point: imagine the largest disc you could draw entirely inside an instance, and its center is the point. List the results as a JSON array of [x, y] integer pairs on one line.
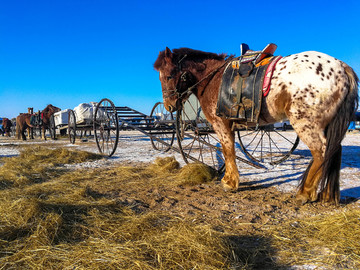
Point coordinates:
[[196, 139]]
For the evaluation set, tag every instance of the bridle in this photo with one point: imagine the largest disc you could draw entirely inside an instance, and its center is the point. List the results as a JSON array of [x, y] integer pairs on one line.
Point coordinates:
[[181, 95], [176, 92]]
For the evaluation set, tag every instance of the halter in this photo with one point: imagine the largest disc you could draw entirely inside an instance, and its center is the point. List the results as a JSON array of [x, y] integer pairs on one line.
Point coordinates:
[[176, 91]]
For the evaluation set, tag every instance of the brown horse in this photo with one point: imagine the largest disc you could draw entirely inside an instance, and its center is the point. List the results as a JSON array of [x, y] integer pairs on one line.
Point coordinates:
[[7, 124], [23, 122], [316, 92]]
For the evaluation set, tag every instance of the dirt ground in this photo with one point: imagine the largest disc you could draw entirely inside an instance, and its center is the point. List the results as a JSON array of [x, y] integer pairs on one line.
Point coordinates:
[[265, 197]]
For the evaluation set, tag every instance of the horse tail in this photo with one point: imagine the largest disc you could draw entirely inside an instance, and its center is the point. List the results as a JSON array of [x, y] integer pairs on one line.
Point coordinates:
[[335, 132], [18, 129]]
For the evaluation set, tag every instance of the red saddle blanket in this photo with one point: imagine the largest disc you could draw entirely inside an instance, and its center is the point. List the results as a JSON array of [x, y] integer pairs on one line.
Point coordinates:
[[268, 75]]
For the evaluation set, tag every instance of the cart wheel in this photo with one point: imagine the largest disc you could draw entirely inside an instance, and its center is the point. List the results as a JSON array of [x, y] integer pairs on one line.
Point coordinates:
[[265, 145], [162, 127], [72, 126], [196, 138], [106, 127]]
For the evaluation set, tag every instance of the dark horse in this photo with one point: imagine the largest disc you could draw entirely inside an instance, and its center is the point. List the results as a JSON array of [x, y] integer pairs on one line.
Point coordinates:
[[316, 92], [7, 124], [23, 121]]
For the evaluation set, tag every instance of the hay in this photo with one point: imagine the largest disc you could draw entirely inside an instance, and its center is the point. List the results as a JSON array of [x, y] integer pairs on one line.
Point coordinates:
[[68, 234], [167, 164], [189, 175], [78, 220], [62, 223], [195, 174], [331, 240], [39, 154], [37, 164]]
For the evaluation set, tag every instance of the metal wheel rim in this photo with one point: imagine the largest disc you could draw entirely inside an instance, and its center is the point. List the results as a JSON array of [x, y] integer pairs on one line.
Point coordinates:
[[106, 127], [196, 139], [162, 131], [266, 145]]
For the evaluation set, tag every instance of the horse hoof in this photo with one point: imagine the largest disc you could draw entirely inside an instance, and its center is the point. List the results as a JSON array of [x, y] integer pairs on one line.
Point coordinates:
[[301, 199], [226, 187]]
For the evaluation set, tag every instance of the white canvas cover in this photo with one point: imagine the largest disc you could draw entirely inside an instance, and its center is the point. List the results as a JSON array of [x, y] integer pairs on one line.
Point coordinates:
[[192, 108], [62, 117], [84, 112]]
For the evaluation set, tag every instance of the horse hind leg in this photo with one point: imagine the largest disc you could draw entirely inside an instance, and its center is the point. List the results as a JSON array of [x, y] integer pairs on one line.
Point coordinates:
[[323, 171], [311, 178], [314, 137], [330, 184]]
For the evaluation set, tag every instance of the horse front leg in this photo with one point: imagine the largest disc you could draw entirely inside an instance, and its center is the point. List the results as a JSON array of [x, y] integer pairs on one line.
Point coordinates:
[[230, 181], [43, 133], [22, 134], [30, 135]]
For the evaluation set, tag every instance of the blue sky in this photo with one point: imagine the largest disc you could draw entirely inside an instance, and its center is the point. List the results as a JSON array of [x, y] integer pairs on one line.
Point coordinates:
[[67, 52]]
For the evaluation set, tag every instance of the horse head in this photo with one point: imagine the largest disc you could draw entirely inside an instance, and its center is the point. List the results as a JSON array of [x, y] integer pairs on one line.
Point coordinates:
[[50, 110], [176, 77]]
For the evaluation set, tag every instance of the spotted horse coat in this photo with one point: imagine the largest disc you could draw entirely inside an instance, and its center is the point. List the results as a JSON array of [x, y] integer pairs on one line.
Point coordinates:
[[309, 88], [316, 92]]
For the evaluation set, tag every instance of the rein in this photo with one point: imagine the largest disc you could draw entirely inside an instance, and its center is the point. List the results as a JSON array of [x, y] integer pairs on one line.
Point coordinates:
[[189, 90]]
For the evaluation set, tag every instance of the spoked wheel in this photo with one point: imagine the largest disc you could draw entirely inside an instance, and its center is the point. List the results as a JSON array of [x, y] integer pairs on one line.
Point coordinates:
[[106, 127], [196, 138], [72, 126], [52, 127], [265, 145], [162, 127]]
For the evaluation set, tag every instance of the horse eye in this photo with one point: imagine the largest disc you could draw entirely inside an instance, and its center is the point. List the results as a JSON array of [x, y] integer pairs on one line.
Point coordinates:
[[169, 78]]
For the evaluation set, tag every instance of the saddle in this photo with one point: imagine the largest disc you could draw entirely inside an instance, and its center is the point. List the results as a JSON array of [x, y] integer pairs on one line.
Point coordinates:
[[36, 119], [242, 84]]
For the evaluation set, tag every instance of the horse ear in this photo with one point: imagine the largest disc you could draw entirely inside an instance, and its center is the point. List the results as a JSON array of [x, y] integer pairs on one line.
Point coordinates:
[[168, 53]]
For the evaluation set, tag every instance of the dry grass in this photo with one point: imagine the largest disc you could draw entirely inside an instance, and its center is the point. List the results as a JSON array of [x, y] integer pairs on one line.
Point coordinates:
[[195, 174], [331, 240], [106, 236], [36, 164], [61, 222]]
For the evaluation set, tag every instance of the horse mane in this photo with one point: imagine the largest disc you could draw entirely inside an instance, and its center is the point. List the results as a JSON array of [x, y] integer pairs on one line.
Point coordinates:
[[50, 109], [190, 54], [47, 108]]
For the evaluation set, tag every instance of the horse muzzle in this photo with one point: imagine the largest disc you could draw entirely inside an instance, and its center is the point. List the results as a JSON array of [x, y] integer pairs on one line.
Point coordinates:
[[172, 107]]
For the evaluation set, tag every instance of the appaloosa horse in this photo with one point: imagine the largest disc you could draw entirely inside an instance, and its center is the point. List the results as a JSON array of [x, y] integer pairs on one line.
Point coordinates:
[[7, 124], [316, 92], [23, 121]]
